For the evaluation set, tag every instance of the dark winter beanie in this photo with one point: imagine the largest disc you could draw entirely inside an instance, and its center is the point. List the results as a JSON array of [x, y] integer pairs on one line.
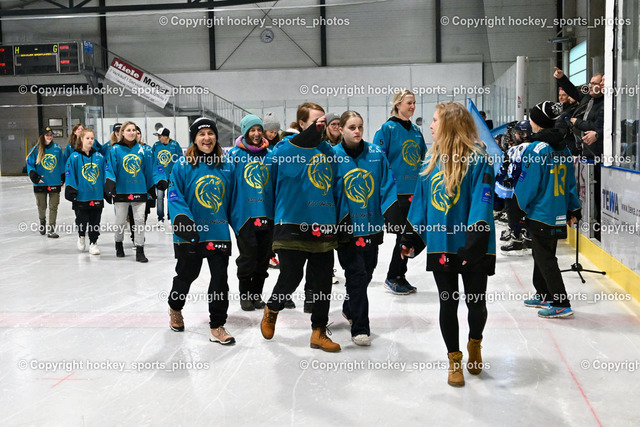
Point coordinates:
[[545, 113], [202, 123]]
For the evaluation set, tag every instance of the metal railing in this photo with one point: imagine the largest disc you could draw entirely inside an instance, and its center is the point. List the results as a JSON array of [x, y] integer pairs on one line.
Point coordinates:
[[201, 102]]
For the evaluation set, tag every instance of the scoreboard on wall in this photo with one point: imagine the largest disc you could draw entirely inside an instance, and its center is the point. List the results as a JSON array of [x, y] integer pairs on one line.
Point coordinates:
[[39, 59]]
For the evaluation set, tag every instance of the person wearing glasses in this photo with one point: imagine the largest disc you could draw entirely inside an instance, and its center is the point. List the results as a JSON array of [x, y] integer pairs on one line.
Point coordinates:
[[332, 134]]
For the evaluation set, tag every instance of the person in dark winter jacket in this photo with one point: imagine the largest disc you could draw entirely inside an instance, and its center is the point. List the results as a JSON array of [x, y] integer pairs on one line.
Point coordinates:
[[563, 122], [45, 166], [547, 196]]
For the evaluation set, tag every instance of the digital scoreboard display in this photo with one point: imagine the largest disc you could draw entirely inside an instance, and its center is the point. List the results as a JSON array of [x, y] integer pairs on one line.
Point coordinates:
[[6, 60], [39, 59]]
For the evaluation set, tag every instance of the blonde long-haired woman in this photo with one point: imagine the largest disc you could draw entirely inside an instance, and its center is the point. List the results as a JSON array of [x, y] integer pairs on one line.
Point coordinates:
[[45, 167], [452, 213], [404, 146]]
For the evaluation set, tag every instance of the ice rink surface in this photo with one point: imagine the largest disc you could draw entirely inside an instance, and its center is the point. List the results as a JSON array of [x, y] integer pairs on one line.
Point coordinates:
[[86, 341]]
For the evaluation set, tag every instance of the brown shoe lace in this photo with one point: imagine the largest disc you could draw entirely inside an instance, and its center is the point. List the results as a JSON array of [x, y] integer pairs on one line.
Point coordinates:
[[325, 332], [271, 316], [223, 335], [176, 317]]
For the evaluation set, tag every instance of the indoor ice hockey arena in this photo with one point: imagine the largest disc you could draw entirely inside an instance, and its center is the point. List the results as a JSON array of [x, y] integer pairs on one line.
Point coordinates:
[[99, 331]]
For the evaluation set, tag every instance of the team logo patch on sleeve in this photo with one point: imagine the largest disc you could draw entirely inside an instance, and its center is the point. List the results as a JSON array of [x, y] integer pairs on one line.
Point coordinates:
[[486, 195], [68, 173], [173, 195], [522, 175]]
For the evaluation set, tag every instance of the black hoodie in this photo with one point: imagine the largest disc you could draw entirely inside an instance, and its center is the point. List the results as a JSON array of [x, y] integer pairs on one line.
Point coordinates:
[[553, 137]]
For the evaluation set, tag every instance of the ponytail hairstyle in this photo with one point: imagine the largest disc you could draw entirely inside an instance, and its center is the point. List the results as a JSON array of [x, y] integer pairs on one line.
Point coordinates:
[[455, 143], [41, 147], [303, 114]]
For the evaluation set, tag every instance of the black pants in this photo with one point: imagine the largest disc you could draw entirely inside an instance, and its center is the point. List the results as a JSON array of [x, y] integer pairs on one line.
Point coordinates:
[[398, 266], [516, 222], [358, 270], [320, 269], [188, 270], [92, 218], [253, 261], [475, 289], [547, 278]]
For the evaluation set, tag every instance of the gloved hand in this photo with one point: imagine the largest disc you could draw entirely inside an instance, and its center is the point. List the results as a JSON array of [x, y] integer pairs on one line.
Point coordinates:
[[34, 177], [109, 191], [152, 192], [162, 185], [70, 193]]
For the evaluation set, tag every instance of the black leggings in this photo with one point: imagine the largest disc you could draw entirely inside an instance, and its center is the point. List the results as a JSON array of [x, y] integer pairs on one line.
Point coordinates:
[[475, 288]]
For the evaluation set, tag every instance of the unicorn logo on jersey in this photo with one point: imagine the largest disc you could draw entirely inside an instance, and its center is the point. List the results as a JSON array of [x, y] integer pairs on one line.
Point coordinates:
[[439, 197], [256, 175], [320, 173], [359, 186], [411, 153], [91, 172], [164, 157], [49, 162], [131, 163], [210, 192]]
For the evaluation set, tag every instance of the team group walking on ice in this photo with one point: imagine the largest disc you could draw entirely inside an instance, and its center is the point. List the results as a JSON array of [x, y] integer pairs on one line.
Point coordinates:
[[291, 198]]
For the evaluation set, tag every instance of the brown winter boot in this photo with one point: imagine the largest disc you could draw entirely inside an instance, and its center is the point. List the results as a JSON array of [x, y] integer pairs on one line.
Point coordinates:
[[320, 340], [474, 366], [456, 378], [268, 324], [176, 322]]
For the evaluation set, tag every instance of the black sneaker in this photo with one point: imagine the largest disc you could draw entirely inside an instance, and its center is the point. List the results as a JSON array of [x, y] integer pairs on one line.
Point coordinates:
[[43, 227], [289, 304], [515, 245], [412, 289]]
